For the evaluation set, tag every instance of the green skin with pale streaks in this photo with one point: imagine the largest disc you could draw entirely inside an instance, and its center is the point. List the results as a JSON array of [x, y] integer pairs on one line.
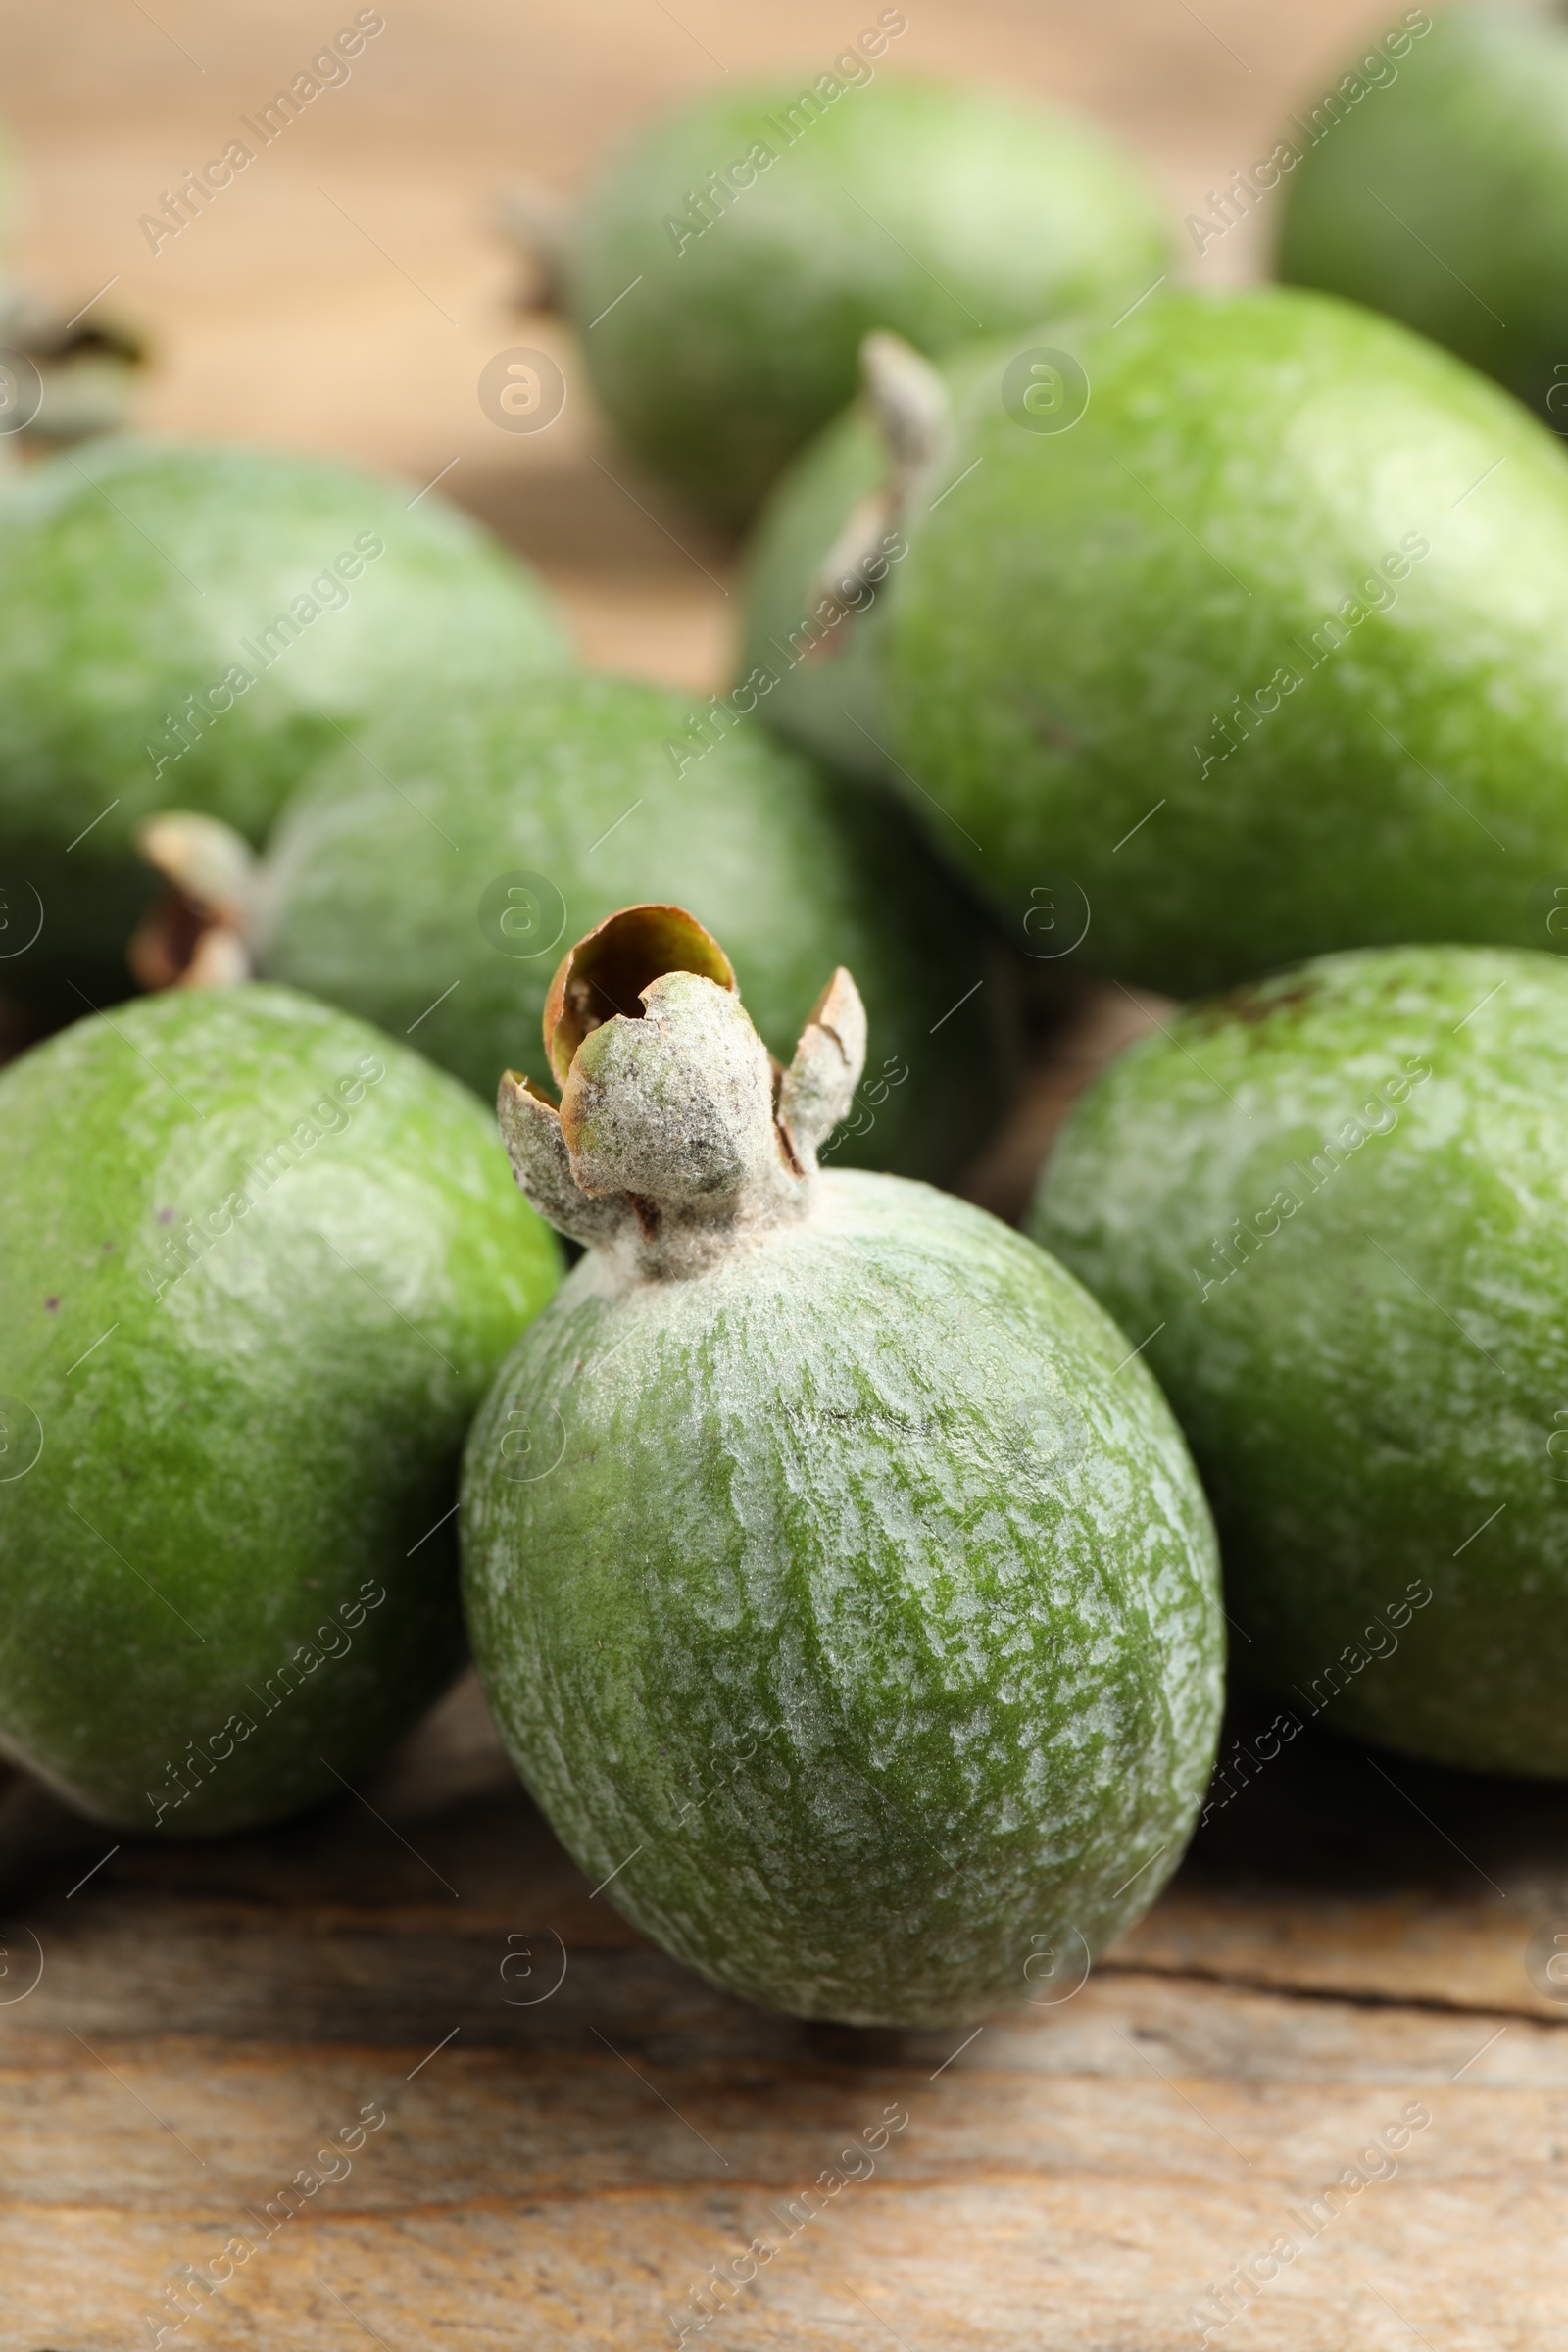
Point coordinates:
[[940, 214], [856, 1603], [214, 1453], [1468, 152], [375, 881], [1236, 525], [123, 593], [1357, 1277]]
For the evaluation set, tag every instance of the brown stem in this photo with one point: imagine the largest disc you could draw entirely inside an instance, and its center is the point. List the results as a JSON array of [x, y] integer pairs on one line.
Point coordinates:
[[536, 223], [909, 407], [198, 932]]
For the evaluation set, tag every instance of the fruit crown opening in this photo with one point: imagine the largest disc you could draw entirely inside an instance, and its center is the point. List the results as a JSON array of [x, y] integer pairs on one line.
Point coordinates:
[[607, 972], [676, 1135]]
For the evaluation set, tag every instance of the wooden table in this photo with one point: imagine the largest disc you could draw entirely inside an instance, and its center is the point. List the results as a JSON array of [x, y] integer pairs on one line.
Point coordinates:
[[577, 2130], [1351, 1939]]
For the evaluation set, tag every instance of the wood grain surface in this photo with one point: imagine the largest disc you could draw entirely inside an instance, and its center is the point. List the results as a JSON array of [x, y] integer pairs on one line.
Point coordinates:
[[578, 2134]]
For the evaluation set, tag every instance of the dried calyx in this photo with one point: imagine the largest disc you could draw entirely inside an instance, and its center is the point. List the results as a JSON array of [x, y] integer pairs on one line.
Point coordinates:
[[677, 1137], [82, 372], [536, 223], [198, 932], [912, 416]]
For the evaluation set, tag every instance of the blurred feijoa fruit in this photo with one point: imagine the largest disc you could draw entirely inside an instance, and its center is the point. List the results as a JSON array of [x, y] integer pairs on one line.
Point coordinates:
[[1434, 186], [1245, 641], [822, 571], [724, 272], [198, 625]]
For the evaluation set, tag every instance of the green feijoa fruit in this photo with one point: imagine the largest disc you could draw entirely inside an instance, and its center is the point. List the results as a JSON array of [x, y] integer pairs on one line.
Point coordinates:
[[1333, 1202], [1433, 184], [197, 624], [428, 878], [839, 1578], [260, 1265], [1255, 651], [821, 566], [726, 269]]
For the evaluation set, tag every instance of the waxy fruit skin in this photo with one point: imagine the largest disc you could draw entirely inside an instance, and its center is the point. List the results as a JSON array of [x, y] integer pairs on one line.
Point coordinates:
[[260, 1264], [1334, 1205], [839, 1578]]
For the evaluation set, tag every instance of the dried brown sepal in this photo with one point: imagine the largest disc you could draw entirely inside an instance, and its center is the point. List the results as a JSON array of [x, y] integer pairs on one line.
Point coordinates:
[[536, 223], [530, 1128], [198, 932], [607, 970], [675, 1106], [910, 410], [87, 368], [818, 1087]]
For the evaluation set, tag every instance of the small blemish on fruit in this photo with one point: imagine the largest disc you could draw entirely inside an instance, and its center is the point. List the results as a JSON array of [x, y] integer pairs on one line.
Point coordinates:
[[52, 1305], [1257, 1001], [165, 1216]]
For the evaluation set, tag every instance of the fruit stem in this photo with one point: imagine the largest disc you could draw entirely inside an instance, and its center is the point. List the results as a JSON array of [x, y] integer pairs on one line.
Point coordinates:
[[536, 223], [82, 372], [912, 416], [677, 1137], [198, 934]]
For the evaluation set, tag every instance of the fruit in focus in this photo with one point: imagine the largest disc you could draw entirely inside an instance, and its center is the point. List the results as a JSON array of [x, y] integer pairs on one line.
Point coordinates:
[[842, 1587], [260, 1263], [1336, 1198]]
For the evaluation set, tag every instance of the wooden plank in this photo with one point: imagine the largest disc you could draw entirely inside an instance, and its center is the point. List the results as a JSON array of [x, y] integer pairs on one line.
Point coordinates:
[[1078, 2174]]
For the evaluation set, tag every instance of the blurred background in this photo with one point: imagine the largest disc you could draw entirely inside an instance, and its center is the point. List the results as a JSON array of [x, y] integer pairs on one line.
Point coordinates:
[[346, 291]]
